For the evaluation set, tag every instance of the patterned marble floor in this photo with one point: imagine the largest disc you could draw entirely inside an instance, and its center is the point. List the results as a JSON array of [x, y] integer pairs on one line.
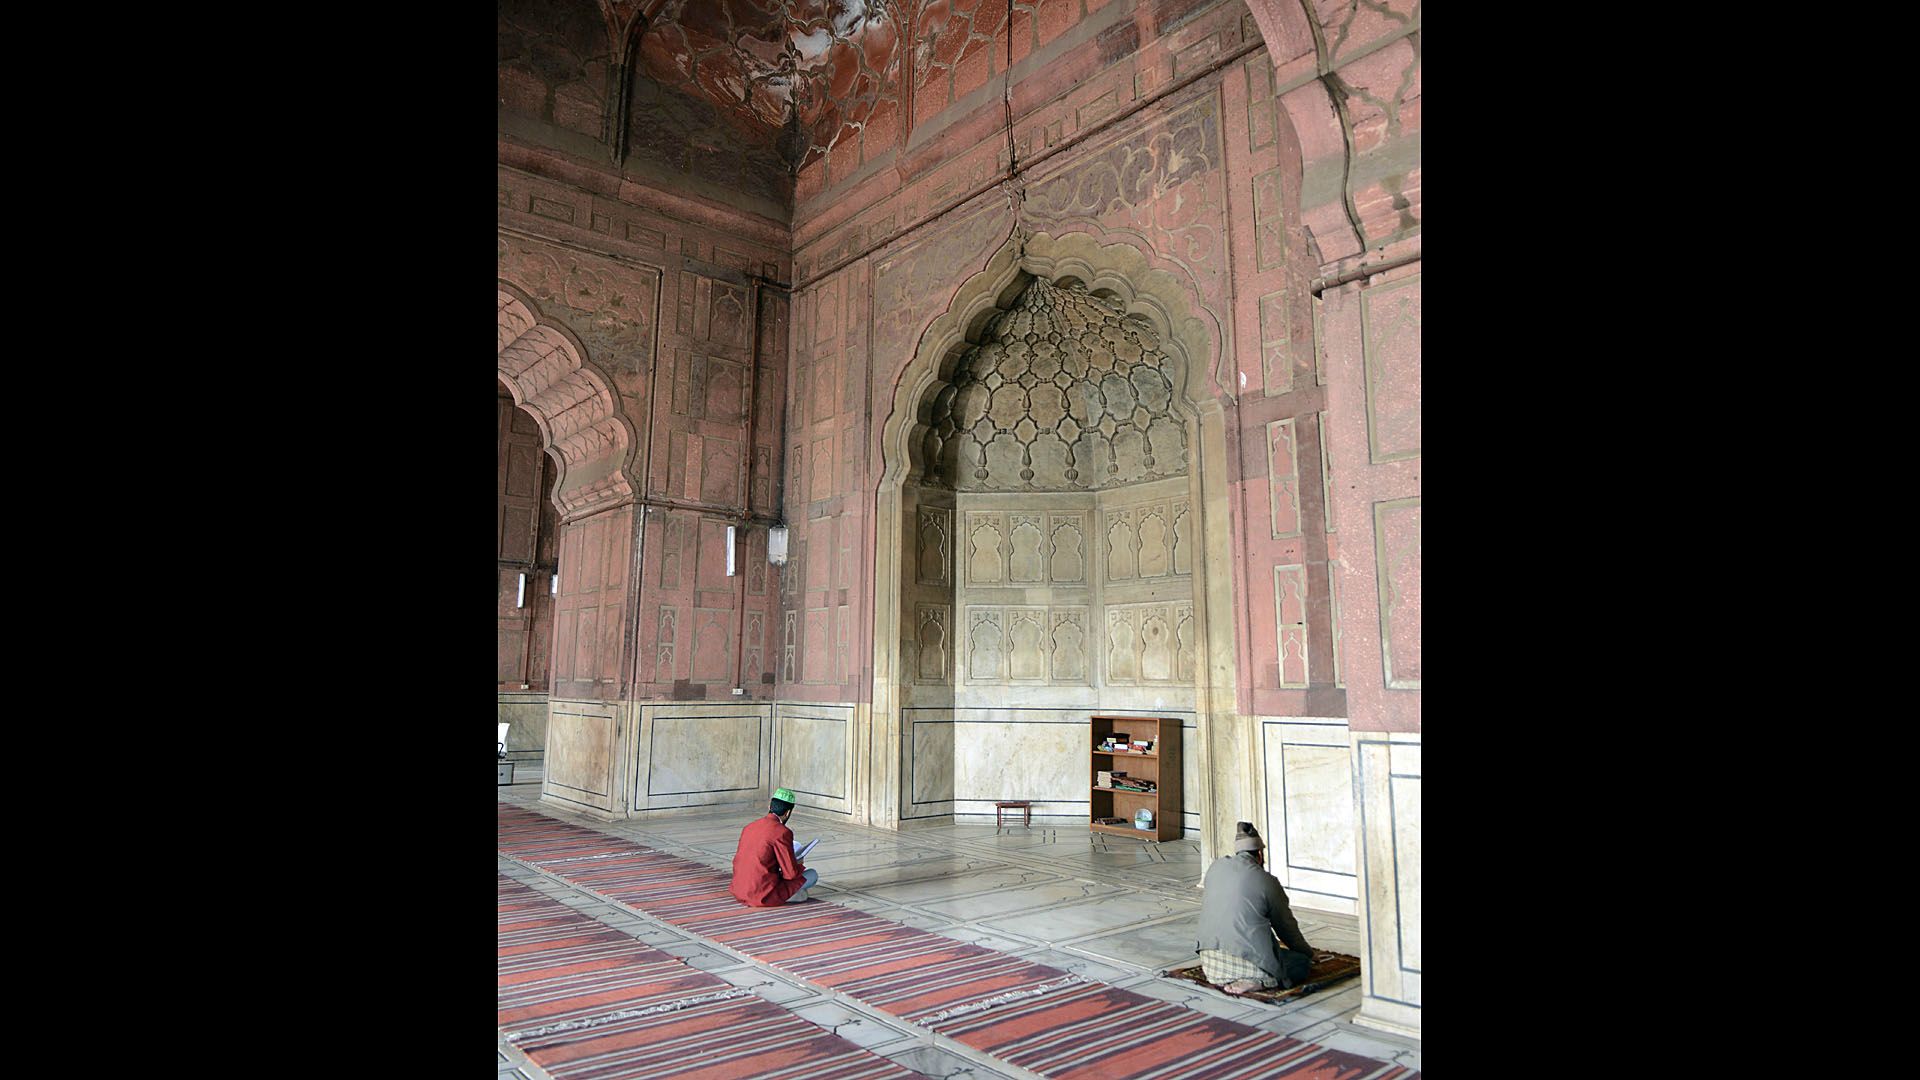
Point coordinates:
[[1106, 908]]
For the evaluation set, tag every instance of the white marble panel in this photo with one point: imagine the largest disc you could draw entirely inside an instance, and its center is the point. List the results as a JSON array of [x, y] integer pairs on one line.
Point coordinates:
[[580, 752], [1406, 808], [527, 716], [699, 755], [1308, 785], [1390, 884], [810, 753], [1020, 761], [1317, 783], [932, 764]]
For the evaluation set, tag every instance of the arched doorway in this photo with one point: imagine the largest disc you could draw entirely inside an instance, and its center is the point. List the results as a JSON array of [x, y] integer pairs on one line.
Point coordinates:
[[526, 532], [590, 445], [1052, 502]]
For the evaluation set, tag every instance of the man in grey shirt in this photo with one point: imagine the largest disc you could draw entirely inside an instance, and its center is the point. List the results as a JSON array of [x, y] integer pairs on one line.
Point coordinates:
[[1248, 938]]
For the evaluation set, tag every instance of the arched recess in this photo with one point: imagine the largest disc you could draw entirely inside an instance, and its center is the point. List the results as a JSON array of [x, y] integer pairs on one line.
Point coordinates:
[[1171, 309], [573, 402]]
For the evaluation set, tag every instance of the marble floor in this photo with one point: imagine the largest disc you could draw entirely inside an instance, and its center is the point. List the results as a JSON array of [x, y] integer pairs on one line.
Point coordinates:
[[1106, 908]]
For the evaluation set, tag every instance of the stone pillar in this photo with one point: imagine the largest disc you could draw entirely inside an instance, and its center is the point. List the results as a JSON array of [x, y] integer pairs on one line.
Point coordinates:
[[1386, 777], [588, 714], [1371, 343]]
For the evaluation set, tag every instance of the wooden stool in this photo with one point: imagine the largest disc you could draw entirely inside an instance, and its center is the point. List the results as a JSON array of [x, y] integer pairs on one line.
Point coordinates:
[[1025, 808]]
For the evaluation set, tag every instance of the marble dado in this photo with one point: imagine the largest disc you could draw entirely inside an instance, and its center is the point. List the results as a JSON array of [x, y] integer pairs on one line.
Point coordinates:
[[526, 713], [585, 757], [1306, 784], [700, 755], [962, 760], [812, 754], [616, 761], [1386, 769], [1062, 589]]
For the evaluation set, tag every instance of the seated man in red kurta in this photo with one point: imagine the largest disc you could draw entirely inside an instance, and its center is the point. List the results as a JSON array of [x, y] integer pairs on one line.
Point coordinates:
[[765, 873]]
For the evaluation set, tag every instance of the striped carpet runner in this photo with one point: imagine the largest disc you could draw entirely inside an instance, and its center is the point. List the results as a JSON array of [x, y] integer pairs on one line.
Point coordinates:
[[586, 1002], [1040, 1018]]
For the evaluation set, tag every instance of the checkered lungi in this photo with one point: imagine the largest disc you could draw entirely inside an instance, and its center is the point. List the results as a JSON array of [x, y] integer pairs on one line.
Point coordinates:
[[1223, 967]]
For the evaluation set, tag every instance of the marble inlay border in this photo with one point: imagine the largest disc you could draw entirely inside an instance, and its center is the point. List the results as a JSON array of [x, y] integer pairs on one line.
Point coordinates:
[[1266, 723], [653, 736], [773, 752], [552, 783], [1393, 850], [1291, 865]]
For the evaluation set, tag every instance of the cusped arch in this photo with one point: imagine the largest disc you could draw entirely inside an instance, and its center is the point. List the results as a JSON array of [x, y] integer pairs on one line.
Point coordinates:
[[573, 403], [1118, 272], [1165, 302]]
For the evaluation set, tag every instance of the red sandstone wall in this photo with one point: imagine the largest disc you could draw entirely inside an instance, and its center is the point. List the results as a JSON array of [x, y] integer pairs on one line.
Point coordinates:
[[1192, 176], [660, 295], [1164, 125], [1161, 124]]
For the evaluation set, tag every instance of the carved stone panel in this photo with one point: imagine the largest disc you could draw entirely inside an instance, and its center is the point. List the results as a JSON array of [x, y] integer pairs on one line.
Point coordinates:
[[724, 395], [712, 646], [985, 645], [727, 320], [1156, 645], [1026, 644], [666, 638], [1123, 660], [986, 537], [1397, 564], [673, 540], [1182, 536], [1156, 557], [932, 638], [755, 647], [1027, 541], [1068, 641], [935, 545], [1290, 619], [816, 660], [1120, 542], [756, 561], [1283, 478], [1391, 322], [820, 484], [1183, 638], [1067, 560]]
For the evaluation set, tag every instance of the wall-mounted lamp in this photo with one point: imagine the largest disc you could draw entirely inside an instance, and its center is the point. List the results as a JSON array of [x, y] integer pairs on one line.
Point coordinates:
[[730, 568], [553, 587], [520, 599], [777, 545]]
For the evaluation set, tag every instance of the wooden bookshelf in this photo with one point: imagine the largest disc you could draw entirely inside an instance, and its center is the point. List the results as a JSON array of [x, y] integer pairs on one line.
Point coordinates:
[[1160, 765]]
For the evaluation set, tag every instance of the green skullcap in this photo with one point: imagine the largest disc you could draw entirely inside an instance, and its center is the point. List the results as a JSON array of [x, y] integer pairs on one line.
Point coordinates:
[[784, 795]]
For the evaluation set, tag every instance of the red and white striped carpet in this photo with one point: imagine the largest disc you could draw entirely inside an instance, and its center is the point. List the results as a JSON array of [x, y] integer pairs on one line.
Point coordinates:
[[1040, 1018], [586, 1002]]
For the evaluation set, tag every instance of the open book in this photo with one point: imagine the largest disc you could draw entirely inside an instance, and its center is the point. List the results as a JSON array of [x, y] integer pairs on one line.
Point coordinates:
[[800, 853]]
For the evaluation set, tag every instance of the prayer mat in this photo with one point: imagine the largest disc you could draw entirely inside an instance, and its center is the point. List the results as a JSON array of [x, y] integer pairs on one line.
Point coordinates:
[[1328, 968], [583, 1000], [1050, 1022]]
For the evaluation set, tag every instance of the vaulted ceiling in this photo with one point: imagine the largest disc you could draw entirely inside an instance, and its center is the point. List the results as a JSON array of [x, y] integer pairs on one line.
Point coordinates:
[[800, 74]]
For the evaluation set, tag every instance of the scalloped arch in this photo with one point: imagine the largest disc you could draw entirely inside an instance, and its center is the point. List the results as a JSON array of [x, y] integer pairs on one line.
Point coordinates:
[[1113, 269], [572, 402]]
